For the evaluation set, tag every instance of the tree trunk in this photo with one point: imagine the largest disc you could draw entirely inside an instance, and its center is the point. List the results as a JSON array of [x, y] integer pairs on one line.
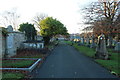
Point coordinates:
[[46, 40], [110, 41], [93, 42]]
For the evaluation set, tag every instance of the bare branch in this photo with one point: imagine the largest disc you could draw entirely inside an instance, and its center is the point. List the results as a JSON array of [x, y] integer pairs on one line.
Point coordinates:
[[38, 18], [10, 18]]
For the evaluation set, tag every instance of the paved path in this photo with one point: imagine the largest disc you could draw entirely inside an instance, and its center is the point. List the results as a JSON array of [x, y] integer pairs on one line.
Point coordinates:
[[66, 62]]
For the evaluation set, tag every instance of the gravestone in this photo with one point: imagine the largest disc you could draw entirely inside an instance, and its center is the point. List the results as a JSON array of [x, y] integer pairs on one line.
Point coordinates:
[[117, 46], [114, 42], [108, 42], [82, 40], [87, 40], [101, 51], [38, 45], [93, 42]]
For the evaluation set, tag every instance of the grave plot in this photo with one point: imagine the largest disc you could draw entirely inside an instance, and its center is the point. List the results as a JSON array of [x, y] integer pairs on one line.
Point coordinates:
[[17, 63], [31, 53]]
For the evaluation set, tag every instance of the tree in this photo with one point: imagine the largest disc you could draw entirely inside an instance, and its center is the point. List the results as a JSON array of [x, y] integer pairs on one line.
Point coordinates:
[[10, 18], [117, 28], [38, 18], [29, 29], [51, 27], [104, 11], [4, 31]]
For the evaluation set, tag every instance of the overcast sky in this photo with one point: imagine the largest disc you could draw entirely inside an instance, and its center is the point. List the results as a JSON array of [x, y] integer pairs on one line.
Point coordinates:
[[67, 11]]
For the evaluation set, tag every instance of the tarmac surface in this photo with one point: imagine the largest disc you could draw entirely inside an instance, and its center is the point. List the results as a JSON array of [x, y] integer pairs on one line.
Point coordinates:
[[66, 62]]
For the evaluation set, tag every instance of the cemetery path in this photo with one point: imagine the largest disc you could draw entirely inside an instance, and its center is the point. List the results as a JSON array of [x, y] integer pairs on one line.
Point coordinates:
[[67, 62]]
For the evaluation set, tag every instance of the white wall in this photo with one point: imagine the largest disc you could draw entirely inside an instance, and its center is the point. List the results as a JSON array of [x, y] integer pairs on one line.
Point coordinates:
[[33, 45]]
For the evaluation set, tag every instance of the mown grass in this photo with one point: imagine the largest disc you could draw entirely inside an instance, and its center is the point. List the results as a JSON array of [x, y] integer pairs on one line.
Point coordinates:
[[112, 64], [85, 50], [68, 42], [10, 76], [17, 64]]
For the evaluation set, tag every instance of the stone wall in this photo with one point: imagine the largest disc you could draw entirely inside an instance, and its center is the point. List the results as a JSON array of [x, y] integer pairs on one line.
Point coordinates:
[[13, 41], [2, 44]]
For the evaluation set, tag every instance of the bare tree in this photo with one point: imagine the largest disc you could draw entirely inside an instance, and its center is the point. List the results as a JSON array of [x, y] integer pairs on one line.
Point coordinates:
[[10, 18], [38, 18], [117, 28], [105, 10]]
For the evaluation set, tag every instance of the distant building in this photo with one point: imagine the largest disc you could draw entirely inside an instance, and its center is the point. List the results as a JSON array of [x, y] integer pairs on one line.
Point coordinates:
[[75, 37]]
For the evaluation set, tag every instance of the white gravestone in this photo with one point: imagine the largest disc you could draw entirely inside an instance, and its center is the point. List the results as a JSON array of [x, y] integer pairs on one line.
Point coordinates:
[[117, 46]]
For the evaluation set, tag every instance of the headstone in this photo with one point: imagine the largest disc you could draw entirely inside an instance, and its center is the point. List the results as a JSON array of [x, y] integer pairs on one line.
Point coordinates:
[[117, 46], [101, 51], [34, 45], [38, 45], [82, 40], [93, 42], [108, 42], [114, 42], [87, 40]]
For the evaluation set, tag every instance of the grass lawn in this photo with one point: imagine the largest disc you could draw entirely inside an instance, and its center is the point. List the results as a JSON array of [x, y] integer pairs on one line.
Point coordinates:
[[17, 63], [15, 76], [68, 42], [85, 50], [111, 64]]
